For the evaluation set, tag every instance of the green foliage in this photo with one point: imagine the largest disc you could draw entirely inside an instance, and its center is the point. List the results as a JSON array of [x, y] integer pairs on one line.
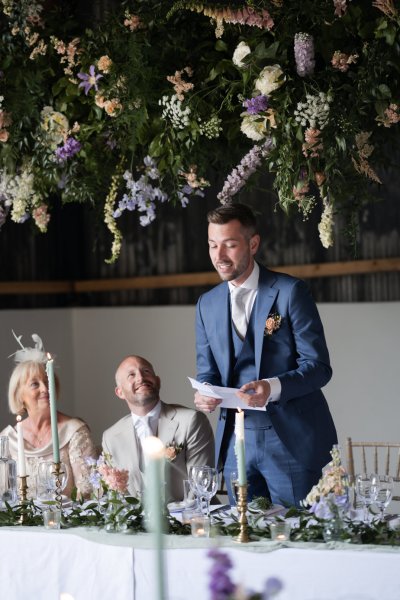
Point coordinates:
[[43, 51]]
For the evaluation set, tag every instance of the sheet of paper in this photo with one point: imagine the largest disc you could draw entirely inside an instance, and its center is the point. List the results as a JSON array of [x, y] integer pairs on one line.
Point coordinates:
[[226, 394]]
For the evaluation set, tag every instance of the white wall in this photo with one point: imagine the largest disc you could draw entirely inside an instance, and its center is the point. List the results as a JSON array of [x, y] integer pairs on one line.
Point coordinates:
[[364, 343]]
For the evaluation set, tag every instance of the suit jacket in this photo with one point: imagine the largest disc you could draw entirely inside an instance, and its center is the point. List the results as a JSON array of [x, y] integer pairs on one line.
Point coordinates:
[[296, 353], [177, 425]]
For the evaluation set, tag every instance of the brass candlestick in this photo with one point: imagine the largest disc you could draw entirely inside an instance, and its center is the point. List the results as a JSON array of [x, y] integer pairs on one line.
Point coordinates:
[[23, 496], [243, 536], [58, 476]]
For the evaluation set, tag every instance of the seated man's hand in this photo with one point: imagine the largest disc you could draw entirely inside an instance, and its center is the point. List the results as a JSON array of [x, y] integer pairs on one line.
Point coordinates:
[[259, 393], [205, 403]]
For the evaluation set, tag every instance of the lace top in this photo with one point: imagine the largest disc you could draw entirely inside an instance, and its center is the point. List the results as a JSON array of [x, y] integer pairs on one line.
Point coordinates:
[[75, 445]]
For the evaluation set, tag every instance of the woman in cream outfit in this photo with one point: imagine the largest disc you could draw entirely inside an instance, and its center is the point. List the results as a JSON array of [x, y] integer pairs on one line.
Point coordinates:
[[28, 394]]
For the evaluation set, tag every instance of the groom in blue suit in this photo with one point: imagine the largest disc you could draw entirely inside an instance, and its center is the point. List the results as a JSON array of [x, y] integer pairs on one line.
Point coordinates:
[[274, 351]]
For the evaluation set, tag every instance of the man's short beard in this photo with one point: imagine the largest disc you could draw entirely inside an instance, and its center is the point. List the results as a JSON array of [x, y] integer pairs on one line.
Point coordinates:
[[145, 400]]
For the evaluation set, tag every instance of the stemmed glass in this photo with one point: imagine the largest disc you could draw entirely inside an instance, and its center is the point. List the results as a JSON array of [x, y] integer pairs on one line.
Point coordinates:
[[382, 486], [206, 481], [366, 492], [46, 480]]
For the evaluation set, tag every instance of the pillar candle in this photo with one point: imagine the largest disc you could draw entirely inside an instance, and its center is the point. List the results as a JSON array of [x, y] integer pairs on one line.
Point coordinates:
[[53, 408], [154, 457], [21, 449], [239, 447]]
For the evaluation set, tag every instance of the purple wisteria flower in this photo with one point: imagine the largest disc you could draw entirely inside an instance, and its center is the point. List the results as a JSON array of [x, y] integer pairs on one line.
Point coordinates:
[[68, 150], [142, 194], [256, 105], [221, 586], [240, 174], [89, 80], [304, 54]]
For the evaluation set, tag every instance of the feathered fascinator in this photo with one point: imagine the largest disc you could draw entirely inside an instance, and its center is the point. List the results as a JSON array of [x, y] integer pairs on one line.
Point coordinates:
[[36, 354]]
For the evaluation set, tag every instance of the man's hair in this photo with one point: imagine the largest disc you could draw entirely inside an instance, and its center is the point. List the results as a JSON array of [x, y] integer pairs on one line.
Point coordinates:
[[230, 212]]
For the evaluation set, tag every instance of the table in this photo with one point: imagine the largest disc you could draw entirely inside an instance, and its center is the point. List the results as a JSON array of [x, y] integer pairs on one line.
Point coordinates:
[[93, 565]]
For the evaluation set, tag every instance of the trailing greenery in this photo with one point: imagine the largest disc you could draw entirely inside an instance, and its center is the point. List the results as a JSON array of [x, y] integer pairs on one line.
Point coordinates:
[[140, 105]]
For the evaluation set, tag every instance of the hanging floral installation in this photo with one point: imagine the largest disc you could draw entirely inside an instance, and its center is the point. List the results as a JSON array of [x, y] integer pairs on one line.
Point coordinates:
[[145, 104]]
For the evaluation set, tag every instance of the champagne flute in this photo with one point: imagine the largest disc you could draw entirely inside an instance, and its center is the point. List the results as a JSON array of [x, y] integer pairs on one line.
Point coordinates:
[[366, 492], [383, 492], [206, 479]]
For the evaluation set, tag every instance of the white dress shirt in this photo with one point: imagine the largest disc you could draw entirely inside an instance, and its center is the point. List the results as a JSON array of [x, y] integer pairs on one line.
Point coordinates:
[[251, 285], [147, 425]]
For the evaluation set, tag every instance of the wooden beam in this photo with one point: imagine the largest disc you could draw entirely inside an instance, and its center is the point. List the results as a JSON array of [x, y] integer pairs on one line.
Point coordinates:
[[208, 278]]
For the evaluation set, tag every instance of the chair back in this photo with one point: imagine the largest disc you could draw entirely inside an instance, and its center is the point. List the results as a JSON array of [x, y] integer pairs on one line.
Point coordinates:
[[382, 458]]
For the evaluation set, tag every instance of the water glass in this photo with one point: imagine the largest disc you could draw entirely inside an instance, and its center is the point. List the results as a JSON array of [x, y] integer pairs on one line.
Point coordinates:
[[189, 497], [234, 486]]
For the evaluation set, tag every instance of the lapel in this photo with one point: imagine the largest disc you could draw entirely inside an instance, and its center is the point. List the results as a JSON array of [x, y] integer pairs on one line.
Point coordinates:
[[265, 298], [167, 424]]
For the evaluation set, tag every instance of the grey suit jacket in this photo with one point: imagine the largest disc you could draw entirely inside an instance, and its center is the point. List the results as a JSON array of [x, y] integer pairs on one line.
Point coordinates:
[[177, 425]]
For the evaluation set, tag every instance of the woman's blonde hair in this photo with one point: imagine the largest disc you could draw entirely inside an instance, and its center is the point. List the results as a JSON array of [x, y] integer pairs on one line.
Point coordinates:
[[20, 375]]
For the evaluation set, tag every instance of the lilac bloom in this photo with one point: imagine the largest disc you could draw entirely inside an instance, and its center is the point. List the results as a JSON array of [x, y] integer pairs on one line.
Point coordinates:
[[256, 105], [68, 150], [273, 586], [89, 80], [221, 586]]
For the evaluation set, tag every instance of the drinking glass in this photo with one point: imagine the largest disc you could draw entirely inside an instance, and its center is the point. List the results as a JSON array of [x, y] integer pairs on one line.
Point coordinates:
[[234, 483], [193, 483], [46, 480], [383, 492], [190, 499], [206, 479], [366, 492]]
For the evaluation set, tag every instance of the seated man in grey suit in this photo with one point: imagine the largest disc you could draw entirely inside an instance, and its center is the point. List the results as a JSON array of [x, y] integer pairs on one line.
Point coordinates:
[[186, 433]]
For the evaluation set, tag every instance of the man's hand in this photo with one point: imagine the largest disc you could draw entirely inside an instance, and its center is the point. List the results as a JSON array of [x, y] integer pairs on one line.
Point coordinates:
[[205, 403], [261, 391]]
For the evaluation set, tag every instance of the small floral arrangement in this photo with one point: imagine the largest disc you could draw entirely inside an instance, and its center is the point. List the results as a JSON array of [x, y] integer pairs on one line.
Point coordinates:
[[172, 450], [222, 587], [331, 494], [104, 477], [272, 324]]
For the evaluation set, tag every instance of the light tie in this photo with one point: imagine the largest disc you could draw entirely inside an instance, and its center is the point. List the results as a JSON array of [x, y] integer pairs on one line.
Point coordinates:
[[239, 311]]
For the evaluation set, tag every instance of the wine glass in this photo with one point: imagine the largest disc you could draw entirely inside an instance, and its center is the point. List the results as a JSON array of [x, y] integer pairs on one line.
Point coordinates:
[[383, 491], [206, 481], [366, 492], [46, 480]]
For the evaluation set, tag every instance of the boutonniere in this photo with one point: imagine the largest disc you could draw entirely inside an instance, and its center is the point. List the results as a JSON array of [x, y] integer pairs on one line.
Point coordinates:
[[272, 324], [172, 450]]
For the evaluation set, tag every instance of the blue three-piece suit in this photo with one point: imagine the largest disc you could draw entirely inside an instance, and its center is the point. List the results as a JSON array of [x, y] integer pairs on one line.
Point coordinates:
[[289, 443]]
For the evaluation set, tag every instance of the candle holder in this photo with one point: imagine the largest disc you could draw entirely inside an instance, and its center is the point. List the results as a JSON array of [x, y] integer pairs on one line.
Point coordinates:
[[200, 526], [52, 518], [280, 531], [58, 473], [243, 537], [23, 497]]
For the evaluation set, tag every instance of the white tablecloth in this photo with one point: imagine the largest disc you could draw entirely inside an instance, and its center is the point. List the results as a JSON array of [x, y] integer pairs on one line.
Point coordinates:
[[90, 565]]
